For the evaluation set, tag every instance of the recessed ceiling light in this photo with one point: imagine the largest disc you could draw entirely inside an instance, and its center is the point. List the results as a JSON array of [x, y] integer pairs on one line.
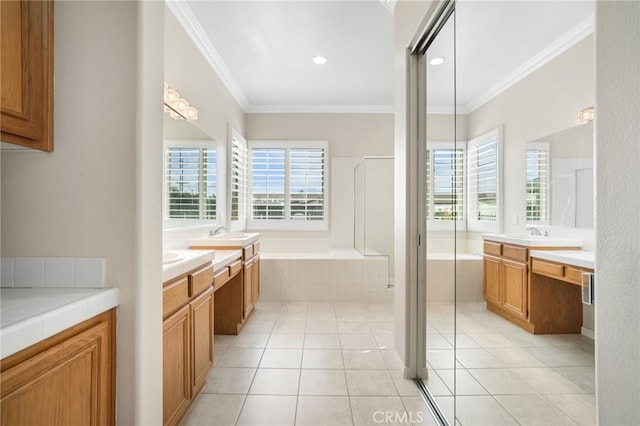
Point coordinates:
[[437, 61], [319, 60]]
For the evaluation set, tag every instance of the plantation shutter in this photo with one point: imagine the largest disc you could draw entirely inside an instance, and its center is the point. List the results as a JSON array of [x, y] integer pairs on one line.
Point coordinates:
[[307, 183], [537, 185], [268, 167], [238, 178]]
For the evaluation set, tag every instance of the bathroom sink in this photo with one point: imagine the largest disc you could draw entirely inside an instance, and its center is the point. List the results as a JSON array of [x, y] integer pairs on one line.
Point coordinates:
[[533, 240], [170, 256], [229, 240], [230, 235]]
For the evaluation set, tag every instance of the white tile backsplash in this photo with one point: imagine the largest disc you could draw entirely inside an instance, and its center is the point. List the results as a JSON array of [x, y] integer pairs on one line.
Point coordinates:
[[52, 272]]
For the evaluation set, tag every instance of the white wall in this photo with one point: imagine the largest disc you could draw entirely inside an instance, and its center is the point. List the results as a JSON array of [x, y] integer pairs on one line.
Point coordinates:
[[617, 220], [351, 137], [98, 193], [545, 102]]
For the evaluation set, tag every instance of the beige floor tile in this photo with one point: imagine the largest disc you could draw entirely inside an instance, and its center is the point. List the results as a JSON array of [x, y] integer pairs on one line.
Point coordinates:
[[440, 358], [241, 357], [438, 341], [502, 381], [268, 410], [323, 382], [515, 357], [561, 356], [447, 407], [533, 410], [378, 410], [250, 340], [255, 325], [358, 341], [353, 327], [546, 381], [405, 387], [289, 326], [381, 326], [477, 358], [322, 327], [281, 358], [286, 341], [435, 385], [229, 380], [466, 384], [384, 340], [391, 360], [271, 381], [323, 411], [222, 340], [210, 409], [418, 411], [580, 407], [481, 411], [322, 358], [369, 359], [585, 377], [321, 341], [370, 383], [492, 340]]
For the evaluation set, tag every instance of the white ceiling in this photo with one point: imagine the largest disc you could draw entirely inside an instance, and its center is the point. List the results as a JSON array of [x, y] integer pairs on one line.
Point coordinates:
[[263, 49]]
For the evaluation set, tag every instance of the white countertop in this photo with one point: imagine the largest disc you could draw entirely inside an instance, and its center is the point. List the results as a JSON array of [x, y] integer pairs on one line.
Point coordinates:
[[533, 240], [231, 239], [191, 259], [580, 258], [30, 315]]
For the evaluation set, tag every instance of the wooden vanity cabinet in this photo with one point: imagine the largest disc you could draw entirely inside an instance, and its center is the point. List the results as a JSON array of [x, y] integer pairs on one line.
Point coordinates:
[[67, 379], [251, 280], [188, 330], [26, 75]]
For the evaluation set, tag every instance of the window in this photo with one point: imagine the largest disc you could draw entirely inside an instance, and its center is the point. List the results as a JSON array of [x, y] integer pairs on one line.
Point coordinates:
[[191, 182], [444, 184], [288, 188], [238, 181], [538, 182], [484, 181]]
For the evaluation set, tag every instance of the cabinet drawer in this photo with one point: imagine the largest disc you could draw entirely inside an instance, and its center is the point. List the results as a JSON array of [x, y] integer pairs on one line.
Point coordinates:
[[256, 248], [247, 252], [574, 275], [515, 252], [549, 269], [200, 280], [494, 249], [234, 268], [175, 296], [221, 277]]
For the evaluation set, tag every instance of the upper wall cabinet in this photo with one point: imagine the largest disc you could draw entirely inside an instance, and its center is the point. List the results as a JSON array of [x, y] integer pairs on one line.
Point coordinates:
[[26, 76]]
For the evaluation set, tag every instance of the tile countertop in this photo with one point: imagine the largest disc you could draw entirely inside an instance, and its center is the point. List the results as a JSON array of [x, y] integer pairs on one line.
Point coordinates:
[[191, 259], [533, 240], [580, 258], [30, 315]]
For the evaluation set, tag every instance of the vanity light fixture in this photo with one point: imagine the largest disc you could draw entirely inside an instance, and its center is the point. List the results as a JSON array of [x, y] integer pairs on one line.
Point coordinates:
[[586, 115], [177, 106], [319, 60], [439, 60]]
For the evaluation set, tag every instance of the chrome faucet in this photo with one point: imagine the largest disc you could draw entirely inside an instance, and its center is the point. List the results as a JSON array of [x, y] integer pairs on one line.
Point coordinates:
[[216, 230], [534, 231]]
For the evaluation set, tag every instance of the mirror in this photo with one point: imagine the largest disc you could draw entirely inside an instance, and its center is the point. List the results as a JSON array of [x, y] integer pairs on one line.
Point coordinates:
[[182, 130], [560, 178]]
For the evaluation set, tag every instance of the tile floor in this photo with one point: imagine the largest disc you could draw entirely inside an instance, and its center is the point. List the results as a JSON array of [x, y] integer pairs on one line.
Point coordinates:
[[309, 364], [331, 364], [505, 375]]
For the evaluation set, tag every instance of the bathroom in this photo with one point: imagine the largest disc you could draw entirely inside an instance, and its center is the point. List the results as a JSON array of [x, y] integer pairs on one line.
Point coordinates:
[[130, 234]]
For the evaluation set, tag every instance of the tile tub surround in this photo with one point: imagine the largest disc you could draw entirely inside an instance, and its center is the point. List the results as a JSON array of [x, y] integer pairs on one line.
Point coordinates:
[[52, 272], [333, 276], [440, 277], [30, 315]]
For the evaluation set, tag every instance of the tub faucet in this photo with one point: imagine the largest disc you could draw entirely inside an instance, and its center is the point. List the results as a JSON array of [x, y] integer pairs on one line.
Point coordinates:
[[216, 230]]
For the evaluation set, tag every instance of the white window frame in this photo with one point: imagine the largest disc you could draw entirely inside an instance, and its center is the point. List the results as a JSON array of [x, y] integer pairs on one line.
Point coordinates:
[[446, 225], [540, 146], [240, 223], [287, 223], [195, 144], [473, 223]]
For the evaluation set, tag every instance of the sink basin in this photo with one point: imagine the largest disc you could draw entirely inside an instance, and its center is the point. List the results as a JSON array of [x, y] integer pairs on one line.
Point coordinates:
[[533, 240], [239, 235], [171, 256]]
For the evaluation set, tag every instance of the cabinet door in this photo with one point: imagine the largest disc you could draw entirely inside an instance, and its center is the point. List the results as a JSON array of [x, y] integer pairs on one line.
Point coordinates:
[[176, 392], [255, 281], [247, 289], [201, 339], [69, 383], [513, 279], [491, 280], [26, 75]]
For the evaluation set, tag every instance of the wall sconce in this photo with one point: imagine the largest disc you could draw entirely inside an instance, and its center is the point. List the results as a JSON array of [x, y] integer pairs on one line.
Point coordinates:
[[586, 115], [177, 106]]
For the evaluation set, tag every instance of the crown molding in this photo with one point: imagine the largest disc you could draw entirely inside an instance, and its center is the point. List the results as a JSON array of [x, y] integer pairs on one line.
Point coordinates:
[[566, 41], [190, 24], [321, 109]]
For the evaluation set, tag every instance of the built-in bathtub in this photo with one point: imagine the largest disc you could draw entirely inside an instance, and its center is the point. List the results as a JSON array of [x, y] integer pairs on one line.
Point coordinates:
[[331, 275], [440, 277]]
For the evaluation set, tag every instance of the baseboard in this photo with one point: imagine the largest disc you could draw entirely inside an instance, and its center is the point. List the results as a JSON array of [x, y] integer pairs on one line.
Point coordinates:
[[588, 333]]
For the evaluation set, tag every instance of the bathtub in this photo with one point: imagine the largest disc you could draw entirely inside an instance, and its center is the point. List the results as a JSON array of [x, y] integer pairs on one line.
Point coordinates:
[[330, 275], [440, 277]]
